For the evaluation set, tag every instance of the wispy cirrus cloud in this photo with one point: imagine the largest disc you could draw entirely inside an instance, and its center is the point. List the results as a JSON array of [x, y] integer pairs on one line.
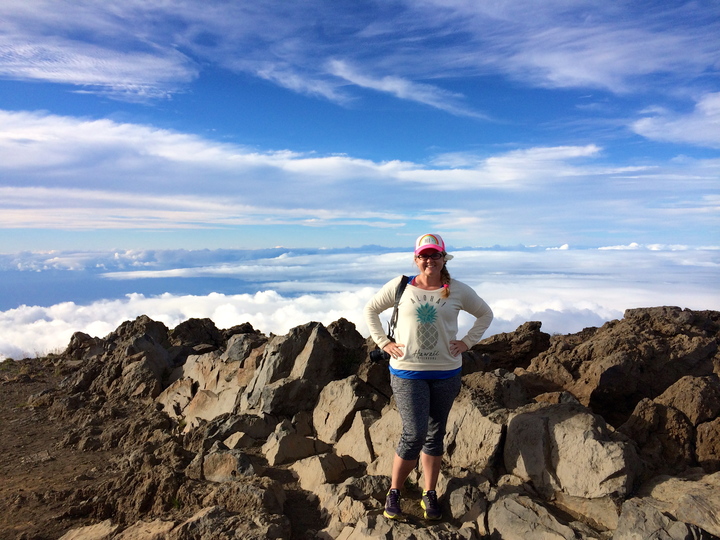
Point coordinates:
[[405, 89], [153, 48], [700, 127]]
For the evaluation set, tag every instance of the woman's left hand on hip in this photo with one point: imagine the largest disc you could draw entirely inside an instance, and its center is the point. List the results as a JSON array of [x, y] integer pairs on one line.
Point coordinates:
[[457, 347]]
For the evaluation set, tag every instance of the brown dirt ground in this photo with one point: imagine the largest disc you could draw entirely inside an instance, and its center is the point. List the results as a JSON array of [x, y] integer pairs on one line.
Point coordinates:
[[38, 475], [43, 484]]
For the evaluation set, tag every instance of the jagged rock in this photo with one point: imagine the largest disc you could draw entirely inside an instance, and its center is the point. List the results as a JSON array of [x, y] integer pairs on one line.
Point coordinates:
[[337, 404], [208, 405], [612, 368], [507, 350], [516, 517], [600, 512], [258, 427], [147, 530], [141, 326], [239, 440], [100, 531], [692, 499], [286, 446], [196, 332], [356, 441], [320, 469], [472, 438], [216, 523], [222, 464], [499, 389], [566, 448], [139, 379], [664, 437], [292, 371], [240, 346], [352, 346], [251, 495], [707, 445], [302, 423], [467, 504], [82, 347], [176, 397], [375, 373], [348, 502], [698, 398], [374, 526], [384, 435], [655, 374], [640, 520]]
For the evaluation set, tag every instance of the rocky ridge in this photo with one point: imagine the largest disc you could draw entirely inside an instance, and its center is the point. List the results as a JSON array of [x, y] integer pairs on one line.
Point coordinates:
[[201, 433]]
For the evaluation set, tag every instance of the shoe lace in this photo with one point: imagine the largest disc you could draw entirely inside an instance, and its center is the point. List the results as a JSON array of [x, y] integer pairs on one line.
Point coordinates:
[[431, 497], [393, 497]]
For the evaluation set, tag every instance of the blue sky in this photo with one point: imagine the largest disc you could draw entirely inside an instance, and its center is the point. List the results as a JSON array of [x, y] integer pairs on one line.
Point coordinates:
[[246, 124], [147, 125]]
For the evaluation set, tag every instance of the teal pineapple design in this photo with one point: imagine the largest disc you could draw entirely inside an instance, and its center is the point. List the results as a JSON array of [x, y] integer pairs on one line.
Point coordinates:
[[427, 334]]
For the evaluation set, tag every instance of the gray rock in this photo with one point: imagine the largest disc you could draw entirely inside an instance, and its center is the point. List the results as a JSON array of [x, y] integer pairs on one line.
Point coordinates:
[[640, 520], [516, 517], [566, 448], [336, 407], [692, 499]]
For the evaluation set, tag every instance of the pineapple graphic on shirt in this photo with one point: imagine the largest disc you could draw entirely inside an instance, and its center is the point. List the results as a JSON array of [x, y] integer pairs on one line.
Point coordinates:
[[427, 334]]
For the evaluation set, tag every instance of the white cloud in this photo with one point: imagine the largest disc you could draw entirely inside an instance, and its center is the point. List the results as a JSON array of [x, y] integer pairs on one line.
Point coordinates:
[[405, 89], [135, 46], [566, 289], [72, 173], [700, 127]]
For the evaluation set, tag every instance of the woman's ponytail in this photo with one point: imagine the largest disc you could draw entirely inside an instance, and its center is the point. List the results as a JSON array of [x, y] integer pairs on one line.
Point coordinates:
[[445, 279]]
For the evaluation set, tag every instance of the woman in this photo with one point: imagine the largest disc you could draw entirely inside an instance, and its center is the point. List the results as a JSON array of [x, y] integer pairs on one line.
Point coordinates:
[[425, 363]]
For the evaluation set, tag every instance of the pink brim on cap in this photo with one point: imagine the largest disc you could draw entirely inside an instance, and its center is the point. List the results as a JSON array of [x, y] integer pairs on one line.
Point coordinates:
[[429, 242]]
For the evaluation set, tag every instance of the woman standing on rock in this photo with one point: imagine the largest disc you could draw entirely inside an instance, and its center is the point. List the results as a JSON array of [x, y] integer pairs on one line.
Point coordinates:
[[425, 362]]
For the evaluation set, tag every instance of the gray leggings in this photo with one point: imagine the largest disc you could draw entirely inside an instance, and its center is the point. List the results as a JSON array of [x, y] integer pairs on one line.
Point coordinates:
[[424, 406]]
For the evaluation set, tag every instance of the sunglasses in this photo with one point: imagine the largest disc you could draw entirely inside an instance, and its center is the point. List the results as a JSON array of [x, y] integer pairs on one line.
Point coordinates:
[[435, 256]]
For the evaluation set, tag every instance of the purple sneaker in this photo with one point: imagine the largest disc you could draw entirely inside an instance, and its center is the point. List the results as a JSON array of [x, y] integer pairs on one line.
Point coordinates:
[[392, 505], [431, 506]]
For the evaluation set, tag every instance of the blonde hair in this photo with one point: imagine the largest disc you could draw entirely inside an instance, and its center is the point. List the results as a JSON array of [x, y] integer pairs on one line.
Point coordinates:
[[445, 278]]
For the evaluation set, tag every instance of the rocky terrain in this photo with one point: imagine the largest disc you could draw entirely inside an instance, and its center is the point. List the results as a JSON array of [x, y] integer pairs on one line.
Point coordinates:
[[201, 433]]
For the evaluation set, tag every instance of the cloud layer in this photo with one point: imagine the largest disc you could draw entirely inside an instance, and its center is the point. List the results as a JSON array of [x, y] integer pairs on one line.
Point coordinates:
[[68, 173], [567, 289]]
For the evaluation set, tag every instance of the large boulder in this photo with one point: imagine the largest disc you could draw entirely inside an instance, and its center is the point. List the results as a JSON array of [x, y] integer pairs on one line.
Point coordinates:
[[707, 445], [337, 404], [698, 398], [293, 370], [663, 435], [567, 448], [473, 439], [356, 441]]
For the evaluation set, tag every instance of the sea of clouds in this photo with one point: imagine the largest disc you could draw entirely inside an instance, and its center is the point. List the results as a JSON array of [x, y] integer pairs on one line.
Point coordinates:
[[48, 296]]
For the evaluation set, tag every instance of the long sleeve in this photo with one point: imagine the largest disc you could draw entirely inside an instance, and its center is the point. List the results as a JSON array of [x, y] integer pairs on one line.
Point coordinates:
[[382, 300], [477, 307]]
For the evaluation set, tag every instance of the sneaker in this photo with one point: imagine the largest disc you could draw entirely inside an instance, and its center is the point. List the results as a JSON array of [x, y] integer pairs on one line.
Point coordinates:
[[392, 505], [430, 504]]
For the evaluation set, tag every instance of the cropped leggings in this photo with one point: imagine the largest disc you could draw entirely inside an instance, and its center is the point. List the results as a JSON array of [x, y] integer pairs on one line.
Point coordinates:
[[424, 406]]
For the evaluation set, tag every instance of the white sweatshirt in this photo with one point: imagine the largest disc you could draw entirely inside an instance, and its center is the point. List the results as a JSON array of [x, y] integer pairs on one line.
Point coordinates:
[[427, 323]]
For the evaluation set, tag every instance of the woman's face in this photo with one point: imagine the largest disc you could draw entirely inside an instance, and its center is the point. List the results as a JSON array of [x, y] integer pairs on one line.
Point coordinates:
[[430, 262]]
